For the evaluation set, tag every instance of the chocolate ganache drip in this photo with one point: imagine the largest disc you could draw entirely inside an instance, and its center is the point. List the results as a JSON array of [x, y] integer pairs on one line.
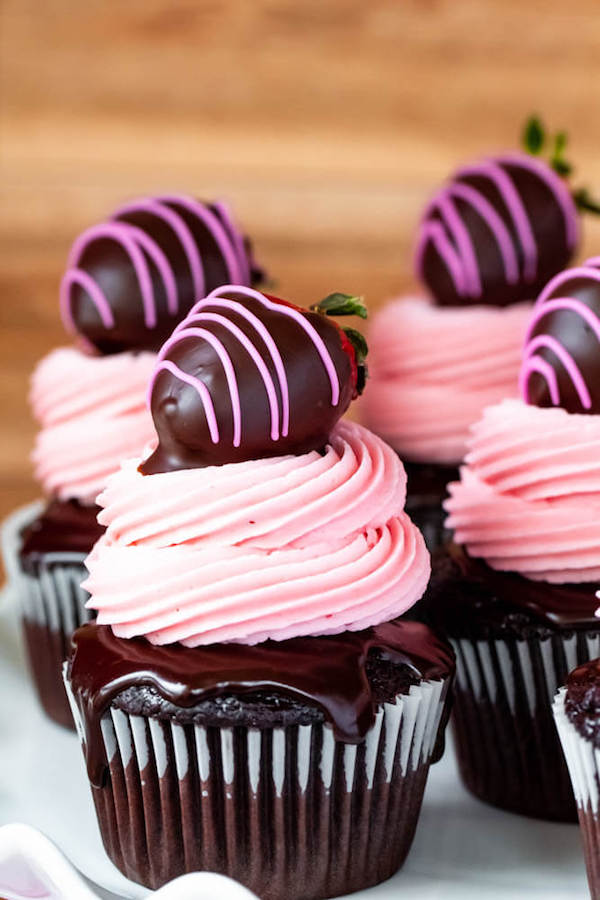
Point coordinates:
[[64, 526], [247, 376], [496, 232], [482, 598], [327, 672], [131, 279], [561, 364]]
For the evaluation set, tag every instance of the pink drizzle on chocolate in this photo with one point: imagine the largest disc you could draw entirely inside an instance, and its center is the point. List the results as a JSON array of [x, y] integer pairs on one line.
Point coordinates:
[[245, 376], [129, 280], [496, 232], [328, 673], [561, 359]]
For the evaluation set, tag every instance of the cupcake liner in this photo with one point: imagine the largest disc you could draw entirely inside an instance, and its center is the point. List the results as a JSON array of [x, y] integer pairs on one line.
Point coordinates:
[[583, 762], [507, 746], [286, 811], [10, 538], [53, 606]]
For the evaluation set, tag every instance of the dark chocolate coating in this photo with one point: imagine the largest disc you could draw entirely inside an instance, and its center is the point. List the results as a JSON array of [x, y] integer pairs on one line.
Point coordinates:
[[576, 337], [582, 701], [62, 526], [468, 597], [547, 221], [179, 411], [110, 265], [327, 674]]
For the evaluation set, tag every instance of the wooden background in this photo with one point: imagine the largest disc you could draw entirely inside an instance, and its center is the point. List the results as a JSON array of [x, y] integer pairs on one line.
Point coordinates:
[[325, 122]]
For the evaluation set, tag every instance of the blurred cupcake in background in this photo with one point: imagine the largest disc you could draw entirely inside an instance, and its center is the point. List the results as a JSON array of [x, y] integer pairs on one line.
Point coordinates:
[[577, 717], [249, 700], [516, 593], [128, 282], [488, 241]]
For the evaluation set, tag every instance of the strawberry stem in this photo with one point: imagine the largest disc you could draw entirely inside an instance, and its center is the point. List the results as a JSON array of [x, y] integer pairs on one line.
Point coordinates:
[[585, 202], [534, 135], [535, 139], [359, 343], [338, 304]]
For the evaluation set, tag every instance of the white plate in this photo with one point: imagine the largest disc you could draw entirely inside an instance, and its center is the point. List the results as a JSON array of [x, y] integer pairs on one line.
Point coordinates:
[[463, 850]]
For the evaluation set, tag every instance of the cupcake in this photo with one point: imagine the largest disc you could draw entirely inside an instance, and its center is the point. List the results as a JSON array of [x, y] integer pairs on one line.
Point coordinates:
[[128, 282], [488, 241], [249, 700], [577, 717], [516, 594]]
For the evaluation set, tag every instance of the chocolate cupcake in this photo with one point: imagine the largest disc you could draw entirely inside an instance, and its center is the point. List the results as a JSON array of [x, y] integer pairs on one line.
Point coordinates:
[[577, 716], [248, 700], [128, 282], [489, 239], [518, 596]]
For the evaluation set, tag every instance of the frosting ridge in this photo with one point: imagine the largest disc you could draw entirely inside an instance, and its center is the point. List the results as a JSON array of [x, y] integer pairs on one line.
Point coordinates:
[[268, 548], [434, 369], [92, 414], [529, 496]]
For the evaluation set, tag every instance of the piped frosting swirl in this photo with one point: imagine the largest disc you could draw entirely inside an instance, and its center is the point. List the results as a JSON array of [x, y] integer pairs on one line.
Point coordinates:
[[92, 414], [268, 548], [433, 370], [529, 496]]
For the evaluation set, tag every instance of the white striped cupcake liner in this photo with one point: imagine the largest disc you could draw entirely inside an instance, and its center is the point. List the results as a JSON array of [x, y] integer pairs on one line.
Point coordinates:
[[10, 539], [52, 604], [286, 811], [508, 750], [583, 762], [51, 593]]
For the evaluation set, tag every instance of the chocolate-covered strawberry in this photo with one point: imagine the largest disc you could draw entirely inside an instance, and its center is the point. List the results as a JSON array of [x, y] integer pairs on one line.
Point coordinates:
[[501, 227], [562, 352], [232, 382], [131, 279]]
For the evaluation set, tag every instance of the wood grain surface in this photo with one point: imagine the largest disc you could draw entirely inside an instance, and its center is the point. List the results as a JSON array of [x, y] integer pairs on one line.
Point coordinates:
[[325, 122]]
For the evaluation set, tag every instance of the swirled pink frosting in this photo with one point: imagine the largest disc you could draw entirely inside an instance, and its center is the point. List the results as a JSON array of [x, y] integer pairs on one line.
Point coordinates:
[[434, 369], [528, 499], [271, 548], [92, 412]]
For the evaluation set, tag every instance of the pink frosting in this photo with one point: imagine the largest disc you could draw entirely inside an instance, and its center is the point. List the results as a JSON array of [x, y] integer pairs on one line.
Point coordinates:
[[529, 496], [271, 548], [92, 412], [434, 369]]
